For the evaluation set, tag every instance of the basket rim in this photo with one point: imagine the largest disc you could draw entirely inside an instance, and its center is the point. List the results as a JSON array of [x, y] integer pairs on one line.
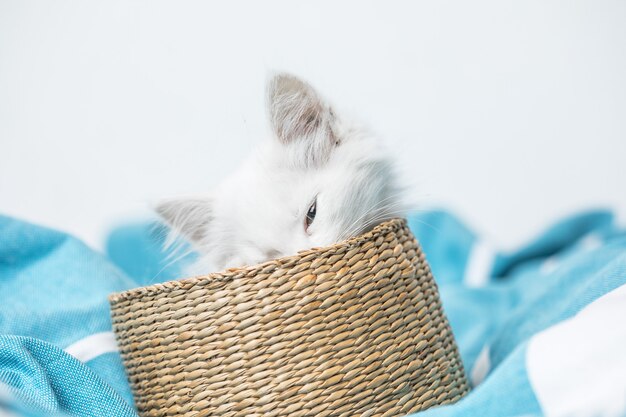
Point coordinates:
[[267, 266]]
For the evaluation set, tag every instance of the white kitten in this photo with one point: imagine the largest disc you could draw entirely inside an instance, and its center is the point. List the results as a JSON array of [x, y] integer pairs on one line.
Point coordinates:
[[319, 180]]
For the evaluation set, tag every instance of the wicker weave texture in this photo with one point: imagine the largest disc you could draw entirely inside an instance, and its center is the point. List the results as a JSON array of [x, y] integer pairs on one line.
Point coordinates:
[[355, 329]]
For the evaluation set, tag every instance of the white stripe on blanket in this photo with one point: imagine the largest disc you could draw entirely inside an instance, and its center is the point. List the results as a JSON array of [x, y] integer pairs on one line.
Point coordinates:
[[93, 346], [578, 367], [479, 265], [482, 366]]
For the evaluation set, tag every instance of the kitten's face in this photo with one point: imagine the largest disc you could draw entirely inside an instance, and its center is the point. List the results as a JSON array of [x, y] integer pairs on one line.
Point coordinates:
[[320, 180]]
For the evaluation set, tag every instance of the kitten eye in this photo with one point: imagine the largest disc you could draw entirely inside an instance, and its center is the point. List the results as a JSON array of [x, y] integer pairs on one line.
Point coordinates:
[[310, 215]]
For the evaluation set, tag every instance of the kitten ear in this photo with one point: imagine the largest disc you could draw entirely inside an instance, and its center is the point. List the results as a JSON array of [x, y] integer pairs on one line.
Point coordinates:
[[188, 217], [298, 114]]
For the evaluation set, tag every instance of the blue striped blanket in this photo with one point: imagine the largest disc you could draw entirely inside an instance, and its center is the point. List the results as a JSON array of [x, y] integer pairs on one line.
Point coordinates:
[[542, 329]]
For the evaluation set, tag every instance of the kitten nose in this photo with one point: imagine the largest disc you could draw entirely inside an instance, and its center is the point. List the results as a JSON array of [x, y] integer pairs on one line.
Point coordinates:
[[272, 254]]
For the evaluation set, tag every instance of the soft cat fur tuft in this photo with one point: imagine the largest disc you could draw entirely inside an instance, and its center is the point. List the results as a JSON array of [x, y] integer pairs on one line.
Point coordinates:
[[316, 160]]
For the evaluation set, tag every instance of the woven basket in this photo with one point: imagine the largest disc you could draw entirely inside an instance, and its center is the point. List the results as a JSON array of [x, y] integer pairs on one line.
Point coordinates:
[[355, 329]]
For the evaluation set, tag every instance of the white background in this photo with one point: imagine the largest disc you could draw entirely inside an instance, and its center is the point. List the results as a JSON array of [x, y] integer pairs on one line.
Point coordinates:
[[510, 113]]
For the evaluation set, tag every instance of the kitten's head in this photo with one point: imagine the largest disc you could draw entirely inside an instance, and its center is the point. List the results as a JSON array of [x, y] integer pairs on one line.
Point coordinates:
[[320, 179]]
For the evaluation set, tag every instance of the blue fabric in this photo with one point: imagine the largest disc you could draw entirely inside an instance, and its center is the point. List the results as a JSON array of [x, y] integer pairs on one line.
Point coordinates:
[[520, 297], [50, 381], [137, 249], [53, 293]]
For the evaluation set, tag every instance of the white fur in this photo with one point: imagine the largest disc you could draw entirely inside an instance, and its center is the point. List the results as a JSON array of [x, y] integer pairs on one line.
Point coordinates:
[[259, 212]]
